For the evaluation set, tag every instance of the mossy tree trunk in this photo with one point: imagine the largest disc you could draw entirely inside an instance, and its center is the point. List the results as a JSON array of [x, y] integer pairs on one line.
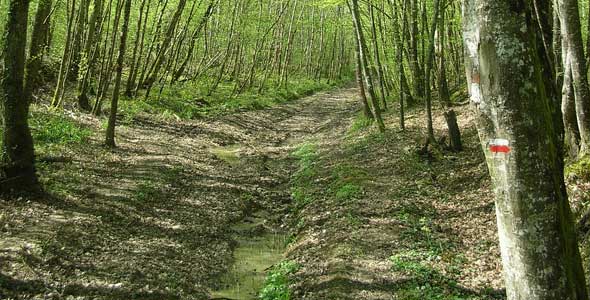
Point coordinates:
[[37, 47], [17, 168], [506, 79]]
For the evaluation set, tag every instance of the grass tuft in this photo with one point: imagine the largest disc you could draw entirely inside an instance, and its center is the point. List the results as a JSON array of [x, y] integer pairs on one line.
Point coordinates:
[[276, 286]]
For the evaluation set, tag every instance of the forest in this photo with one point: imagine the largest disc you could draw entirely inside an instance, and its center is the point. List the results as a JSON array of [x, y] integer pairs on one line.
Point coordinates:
[[295, 149]]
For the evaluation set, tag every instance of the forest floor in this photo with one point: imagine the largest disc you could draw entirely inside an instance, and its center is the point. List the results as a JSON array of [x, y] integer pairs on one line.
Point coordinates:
[[352, 213]]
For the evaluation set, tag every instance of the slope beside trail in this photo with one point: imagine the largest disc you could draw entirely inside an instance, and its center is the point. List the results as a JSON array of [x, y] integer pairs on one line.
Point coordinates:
[[160, 216], [384, 220]]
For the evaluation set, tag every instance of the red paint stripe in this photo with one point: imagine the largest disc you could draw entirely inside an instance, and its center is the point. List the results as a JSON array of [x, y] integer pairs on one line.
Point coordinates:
[[499, 149]]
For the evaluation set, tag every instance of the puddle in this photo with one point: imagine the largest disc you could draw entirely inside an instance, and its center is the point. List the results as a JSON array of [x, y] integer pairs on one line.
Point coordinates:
[[229, 154], [257, 251]]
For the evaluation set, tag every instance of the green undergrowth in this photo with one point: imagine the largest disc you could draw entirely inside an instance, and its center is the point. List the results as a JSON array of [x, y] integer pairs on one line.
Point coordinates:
[[344, 182], [577, 176], [579, 169], [360, 123], [191, 100], [302, 180], [427, 258], [344, 179], [54, 130], [276, 286]]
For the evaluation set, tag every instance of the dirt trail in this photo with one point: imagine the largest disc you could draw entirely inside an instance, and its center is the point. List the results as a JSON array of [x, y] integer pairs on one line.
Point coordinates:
[[155, 219], [164, 215]]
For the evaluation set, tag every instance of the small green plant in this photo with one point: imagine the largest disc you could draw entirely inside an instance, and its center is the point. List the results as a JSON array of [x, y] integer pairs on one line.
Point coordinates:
[[349, 191], [360, 122], [276, 286], [580, 169], [426, 282], [51, 129], [353, 219], [347, 182], [303, 178], [306, 153], [146, 191], [411, 263]]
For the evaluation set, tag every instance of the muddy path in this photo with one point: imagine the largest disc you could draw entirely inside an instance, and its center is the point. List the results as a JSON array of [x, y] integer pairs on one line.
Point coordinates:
[[172, 212]]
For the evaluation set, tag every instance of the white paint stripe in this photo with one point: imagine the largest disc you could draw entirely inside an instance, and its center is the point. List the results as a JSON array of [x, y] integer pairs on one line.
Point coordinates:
[[499, 142]]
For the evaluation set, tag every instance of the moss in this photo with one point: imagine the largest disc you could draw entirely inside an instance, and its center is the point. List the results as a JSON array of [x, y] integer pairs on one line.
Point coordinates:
[[579, 169]]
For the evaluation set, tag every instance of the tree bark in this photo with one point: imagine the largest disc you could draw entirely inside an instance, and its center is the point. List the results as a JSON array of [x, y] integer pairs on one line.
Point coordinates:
[[110, 133], [522, 147], [363, 51], [571, 31], [17, 168], [37, 47], [361, 85], [428, 71]]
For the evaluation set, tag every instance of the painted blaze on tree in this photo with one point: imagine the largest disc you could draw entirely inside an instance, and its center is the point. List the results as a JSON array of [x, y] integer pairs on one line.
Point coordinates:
[[521, 142]]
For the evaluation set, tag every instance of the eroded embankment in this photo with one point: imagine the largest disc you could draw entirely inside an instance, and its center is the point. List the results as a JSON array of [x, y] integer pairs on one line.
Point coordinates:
[[377, 220]]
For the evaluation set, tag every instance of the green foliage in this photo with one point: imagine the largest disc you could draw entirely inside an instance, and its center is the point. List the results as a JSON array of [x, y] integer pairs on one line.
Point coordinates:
[[190, 100], [348, 191], [302, 180], [56, 129], [146, 191], [347, 182], [580, 169], [276, 286], [360, 122], [425, 281]]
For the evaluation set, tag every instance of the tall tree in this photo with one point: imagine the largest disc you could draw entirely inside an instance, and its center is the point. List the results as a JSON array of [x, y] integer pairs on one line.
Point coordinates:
[[110, 133], [522, 146], [366, 72], [37, 47], [18, 155], [164, 50], [574, 51]]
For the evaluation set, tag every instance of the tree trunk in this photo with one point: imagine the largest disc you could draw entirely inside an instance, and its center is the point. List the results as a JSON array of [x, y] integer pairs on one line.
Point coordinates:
[[379, 68], [428, 71], [37, 48], [17, 168], [568, 103], [155, 68], [90, 54], [361, 86], [139, 34], [64, 65], [571, 31], [110, 133], [443, 88], [417, 78], [522, 147], [363, 51], [193, 40]]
